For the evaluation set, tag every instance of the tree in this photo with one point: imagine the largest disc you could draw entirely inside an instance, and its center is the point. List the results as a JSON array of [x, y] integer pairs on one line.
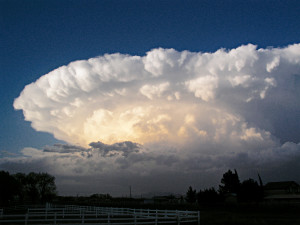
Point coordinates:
[[208, 196], [22, 180], [31, 187], [41, 186], [46, 186], [191, 195], [101, 197], [231, 183], [8, 187], [261, 187], [260, 181], [36, 186], [250, 191]]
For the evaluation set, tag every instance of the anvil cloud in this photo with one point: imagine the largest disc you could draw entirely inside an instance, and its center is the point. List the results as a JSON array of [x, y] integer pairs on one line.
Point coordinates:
[[164, 94], [169, 110]]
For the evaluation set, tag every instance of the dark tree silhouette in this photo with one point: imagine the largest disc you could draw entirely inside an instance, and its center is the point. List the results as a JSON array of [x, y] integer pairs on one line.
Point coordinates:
[[249, 191], [22, 182], [36, 187], [101, 197], [208, 196], [230, 183], [40, 186], [260, 181], [191, 195], [46, 186], [31, 187], [8, 187], [261, 188]]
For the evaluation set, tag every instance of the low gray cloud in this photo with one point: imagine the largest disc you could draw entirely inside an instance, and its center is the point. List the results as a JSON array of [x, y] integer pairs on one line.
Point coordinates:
[[95, 171], [124, 148], [63, 148]]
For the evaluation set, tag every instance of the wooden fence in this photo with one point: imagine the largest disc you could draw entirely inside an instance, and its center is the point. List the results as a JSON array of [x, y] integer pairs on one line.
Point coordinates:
[[90, 215]]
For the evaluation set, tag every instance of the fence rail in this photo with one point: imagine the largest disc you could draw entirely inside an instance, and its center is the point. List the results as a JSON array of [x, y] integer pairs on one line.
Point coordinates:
[[72, 214]]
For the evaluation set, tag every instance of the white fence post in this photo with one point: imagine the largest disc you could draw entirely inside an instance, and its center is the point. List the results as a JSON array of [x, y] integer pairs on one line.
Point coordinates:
[[178, 218], [26, 218], [55, 218]]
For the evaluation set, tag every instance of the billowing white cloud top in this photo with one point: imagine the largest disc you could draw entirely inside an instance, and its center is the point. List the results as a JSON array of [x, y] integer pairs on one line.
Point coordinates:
[[165, 113], [165, 95]]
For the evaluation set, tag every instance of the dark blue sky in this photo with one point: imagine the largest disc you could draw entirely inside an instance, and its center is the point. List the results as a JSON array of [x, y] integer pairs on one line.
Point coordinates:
[[39, 36]]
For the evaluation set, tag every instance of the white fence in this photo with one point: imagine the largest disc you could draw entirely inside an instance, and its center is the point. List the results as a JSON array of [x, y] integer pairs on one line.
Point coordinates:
[[72, 214]]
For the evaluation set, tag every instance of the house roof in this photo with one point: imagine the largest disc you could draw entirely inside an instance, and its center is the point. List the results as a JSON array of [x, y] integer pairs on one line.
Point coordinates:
[[281, 185], [287, 197]]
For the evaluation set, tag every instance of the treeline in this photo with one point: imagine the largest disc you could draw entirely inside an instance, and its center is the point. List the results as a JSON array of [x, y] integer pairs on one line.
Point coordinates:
[[230, 190], [21, 187], [41, 187]]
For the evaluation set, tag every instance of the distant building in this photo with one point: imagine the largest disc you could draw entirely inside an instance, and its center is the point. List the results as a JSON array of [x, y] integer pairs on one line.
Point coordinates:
[[282, 191]]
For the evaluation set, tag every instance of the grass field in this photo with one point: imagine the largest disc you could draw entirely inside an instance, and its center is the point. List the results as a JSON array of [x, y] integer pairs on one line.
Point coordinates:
[[271, 214]]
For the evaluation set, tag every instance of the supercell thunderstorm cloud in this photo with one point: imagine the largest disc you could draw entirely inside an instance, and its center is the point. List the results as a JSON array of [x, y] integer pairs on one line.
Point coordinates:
[[168, 113]]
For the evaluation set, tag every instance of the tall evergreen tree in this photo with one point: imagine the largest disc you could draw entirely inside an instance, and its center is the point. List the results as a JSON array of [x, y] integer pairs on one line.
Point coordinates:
[[230, 183], [260, 180], [261, 188], [191, 195]]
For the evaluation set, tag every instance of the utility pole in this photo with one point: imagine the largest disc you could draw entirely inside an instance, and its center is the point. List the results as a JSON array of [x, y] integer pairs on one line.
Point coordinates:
[[130, 191]]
